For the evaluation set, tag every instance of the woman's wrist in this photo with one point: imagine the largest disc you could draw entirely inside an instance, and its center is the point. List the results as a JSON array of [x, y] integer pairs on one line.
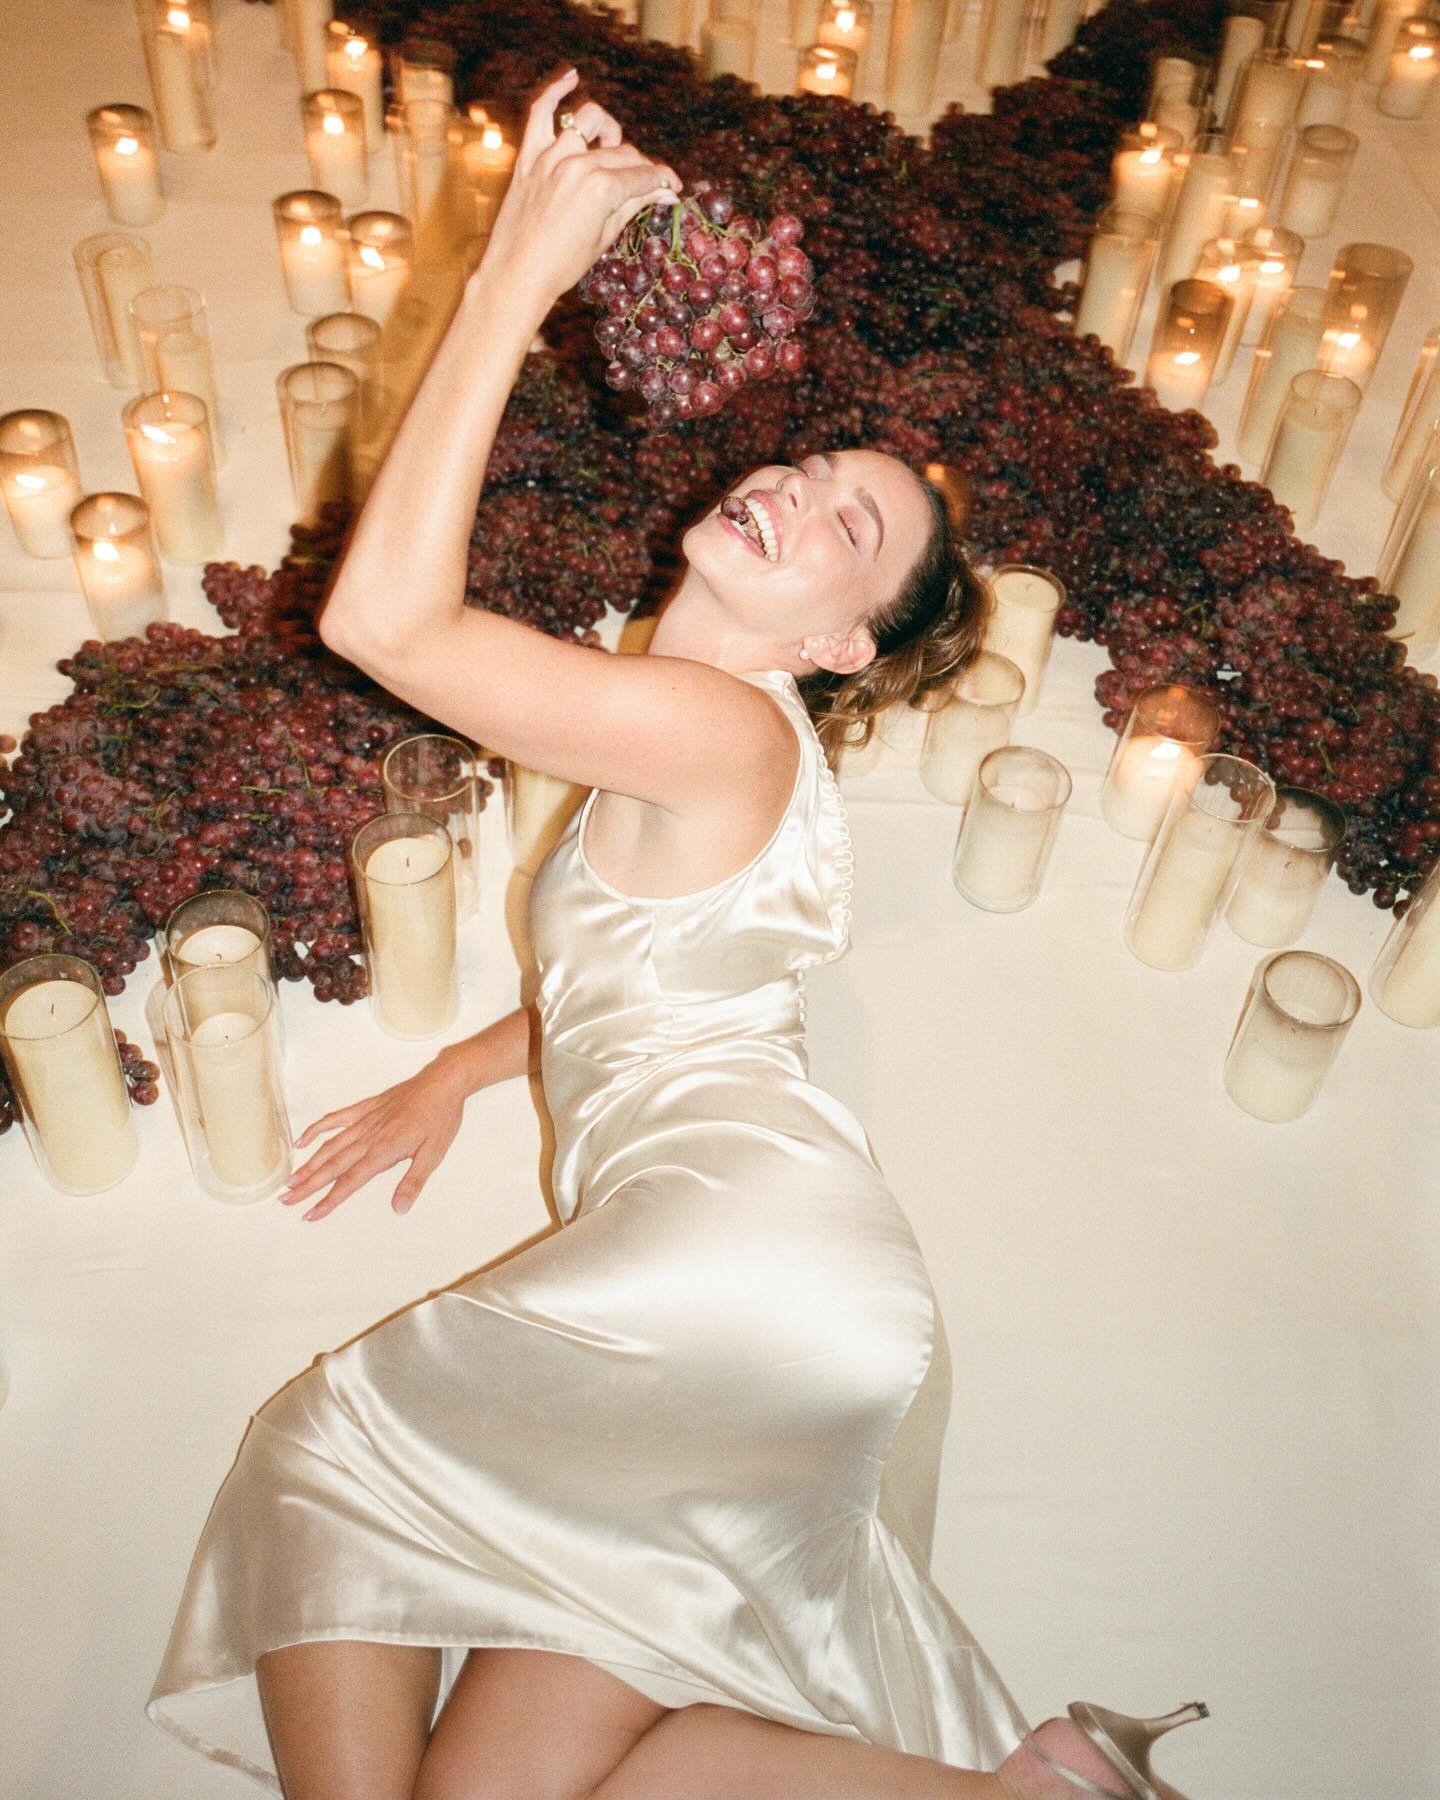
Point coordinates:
[[504, 300]]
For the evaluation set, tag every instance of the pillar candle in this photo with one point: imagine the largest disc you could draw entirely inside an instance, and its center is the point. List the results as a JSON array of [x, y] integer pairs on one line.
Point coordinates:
[[313, 263], [1316, 181], [185, 366], [179, 69], [63, 1053], [122, 273], [177, 482], [1000, 848], [1276, 889], [122, 588], [1410, 991], [40, 501], [1138, 789], [1278, 254], [335, 145], [1243, 36], [1022, 624], [125, 161], [490, 159], [232, 1058], [1141, 172], [727, 47], [411, 919], [1193, 863], [353, 65], [1002, 50], [1206, 186], [310, 40], [1290, 346], [1409, 78], [1390, 16], [1276, 1066], [1309, 436], [917, 28], [1058, 28]]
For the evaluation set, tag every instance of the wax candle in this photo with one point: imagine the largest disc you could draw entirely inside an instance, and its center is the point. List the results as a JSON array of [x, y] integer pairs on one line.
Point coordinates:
[[1141, 172], [1418, 419], [213, 945], [845, 25], [1234, 268], [113, 268], [123, 140], [425, 70], [1022, 623], [1009, 828], [1325, 97], [310, 42], [665, 21], [1157, 755], [1059, 23], [1303, 19], [1206, 184], [354, 65], [175, 341], [1188, 334], [1291, 344], [489, 155], [1284, 869], [1002, 47], [1411, 70], [168, 439], [180, 72], [824, 71], [727, 47], [538, 808], [312, 251], [235, 1085], [1405, 982], [408, 901], [379, 262], [1298, 1012], [1268, 90], [319, 409], [1384, 31], [1246, 210], [975, 719], [1277, 256], [64, 1068], [1413, 576], [117, 565], [917, 29], [1170, 74], [40, 480], [1309, 437], [334, 122], [1260, 147], [1242, 37], [1316, 181]]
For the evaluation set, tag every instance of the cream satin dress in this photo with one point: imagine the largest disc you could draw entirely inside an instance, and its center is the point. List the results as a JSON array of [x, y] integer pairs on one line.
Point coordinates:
[[693, 1435]]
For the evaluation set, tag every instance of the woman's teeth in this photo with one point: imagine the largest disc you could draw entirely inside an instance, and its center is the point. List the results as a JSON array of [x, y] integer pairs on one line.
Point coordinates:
[[754, 523], [766, 530]]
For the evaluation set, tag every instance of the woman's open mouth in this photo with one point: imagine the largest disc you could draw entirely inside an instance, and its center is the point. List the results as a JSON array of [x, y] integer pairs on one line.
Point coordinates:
[[753, 519]]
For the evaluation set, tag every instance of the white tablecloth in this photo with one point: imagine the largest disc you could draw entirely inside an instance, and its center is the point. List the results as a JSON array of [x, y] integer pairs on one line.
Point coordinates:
[[1193, 1448]]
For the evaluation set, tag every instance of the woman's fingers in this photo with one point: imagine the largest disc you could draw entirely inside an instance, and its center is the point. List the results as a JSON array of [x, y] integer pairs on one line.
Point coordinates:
[[422, 1166], [540, 125], [598, 126], [324, 1166], [332, 1121]]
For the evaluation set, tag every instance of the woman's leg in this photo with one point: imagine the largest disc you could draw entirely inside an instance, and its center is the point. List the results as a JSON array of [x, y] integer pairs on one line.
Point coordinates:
[[348, 1720]]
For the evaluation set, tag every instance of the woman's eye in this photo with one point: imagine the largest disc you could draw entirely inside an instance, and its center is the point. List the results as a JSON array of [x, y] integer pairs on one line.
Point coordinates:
[[848, 532]]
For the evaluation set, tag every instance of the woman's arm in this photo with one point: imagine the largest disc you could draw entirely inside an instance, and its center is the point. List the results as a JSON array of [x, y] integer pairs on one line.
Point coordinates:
[[664, 729], [414, 1121]]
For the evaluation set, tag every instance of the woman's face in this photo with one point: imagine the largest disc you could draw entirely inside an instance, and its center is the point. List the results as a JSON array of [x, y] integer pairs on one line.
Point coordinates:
[[821, 548]]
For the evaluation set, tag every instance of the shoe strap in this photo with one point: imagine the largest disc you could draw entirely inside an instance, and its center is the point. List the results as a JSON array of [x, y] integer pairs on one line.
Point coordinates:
[[1085, 1786]]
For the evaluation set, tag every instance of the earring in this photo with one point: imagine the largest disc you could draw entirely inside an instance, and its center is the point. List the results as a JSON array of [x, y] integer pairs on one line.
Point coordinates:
[[804, 654]]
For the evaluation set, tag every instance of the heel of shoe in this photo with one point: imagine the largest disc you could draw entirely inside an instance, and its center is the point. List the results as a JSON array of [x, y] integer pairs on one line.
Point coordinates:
[[1126, 1742]]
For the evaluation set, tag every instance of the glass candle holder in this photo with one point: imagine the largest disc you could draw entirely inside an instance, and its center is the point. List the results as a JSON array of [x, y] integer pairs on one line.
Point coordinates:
[[1157, 755], [1405, 977], [309, 40], [1299, 1008], [406, 895], [1281, 877], [917, 30], [319, 409], [60, 1054], [1316, 181], [334, 122], [1143, 169], [380, 261], [488, 150], [123, 141], [1385, 26], [1367, 283], [1233, 266], [1024, 602], [1260, 147], [425, 70], [1325, 98], [826, 71], [1001, 61], [1268, 88], [355, 66], [727, 47], [1206, 186], [1418, 418], [312, 251], [1309, 437], [1290, 344], [168, 438], [175, 342], [1277, 253], [430, 169], [805, 21], [40, 479], [1191, 866], [1117, 272], [1240, 40], [352, 340], [116, 561], [1411, 570], [112, 269], [222, 1044], [1178, 99], [668, 21], [180, 55], [1410, 70], [974, 719], [435, 775], [1246, 210], [538, 810], [221, 929], [1055, 26], [1189, 332], [1171, 75], [1303, 20], [1009, 828]]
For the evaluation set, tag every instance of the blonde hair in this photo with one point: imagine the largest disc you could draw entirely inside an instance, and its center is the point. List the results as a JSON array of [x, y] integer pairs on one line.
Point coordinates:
[[926, 636]]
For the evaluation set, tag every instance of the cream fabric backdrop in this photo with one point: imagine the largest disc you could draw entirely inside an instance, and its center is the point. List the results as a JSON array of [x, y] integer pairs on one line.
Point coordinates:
[[1193, 1449]]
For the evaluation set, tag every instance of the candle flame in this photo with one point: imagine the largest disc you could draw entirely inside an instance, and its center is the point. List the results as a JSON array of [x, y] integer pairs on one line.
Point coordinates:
[[1315, 62], [1153, 155], [844, 19], [1420, 52], [126, 146], [371, 257], [104, 551], [157, 435], [311, 234], [1230, 272], [1184, 358], [1271, 267], [356, 48], [492, 138], [1165, 751], [33, 482], [334, 124], [179, 18]]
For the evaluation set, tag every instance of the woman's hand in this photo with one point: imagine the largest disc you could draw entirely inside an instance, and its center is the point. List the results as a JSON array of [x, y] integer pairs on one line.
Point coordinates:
[[416, 1120], [573, 191]]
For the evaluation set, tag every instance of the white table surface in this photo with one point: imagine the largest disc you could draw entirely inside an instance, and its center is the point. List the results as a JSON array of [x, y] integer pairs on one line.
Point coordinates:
[[1193, 1448]]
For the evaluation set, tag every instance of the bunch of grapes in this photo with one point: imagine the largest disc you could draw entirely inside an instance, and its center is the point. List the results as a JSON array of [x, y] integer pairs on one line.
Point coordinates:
[[694, 303]]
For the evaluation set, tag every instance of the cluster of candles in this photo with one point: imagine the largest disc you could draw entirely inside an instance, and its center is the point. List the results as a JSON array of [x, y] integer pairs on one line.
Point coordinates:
[[1220, 218], [1221, 839]]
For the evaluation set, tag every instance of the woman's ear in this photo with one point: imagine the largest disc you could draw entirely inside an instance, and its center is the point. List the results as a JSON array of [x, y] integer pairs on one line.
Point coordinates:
[[842, 655]]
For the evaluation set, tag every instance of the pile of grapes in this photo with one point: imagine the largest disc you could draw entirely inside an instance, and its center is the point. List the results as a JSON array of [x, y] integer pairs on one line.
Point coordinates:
[[936, 331]]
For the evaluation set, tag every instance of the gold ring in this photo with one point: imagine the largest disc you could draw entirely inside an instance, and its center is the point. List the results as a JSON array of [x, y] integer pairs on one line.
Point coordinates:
[[566, 122]]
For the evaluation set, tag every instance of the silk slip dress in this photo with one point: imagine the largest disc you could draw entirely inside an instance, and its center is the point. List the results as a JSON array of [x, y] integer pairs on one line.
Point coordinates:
[[693, 1435]]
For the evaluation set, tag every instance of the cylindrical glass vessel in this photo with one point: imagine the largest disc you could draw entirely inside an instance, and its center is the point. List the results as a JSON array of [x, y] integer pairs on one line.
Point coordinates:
[[334, 122], [40, 479], [1410, 567], [1117, 272], [353, 340], [319, 408], [353, 64], [488, 149], [223, 1046], [1260, 147], [1158, 753], [179, 53], [1411, 70], [429, 190], [175, 342], [1189, 331], [1277, 254], [826, 70], [1202, 203], [1316, 181], [113, 268], [168, 437], [1054, 27], [1389, 16], [223, 929], [60, 1054], [435, 775], [312, 252], [425, 70], [727, 47], [1009, 828], [1143, 171], [1002, 43], [1291, 343], [1242, 37], [380, 260], [538, 808], [406, 894], [1418, 418], [1309, 437], [1233, 266], [1021, 626], [1299, 1008], [917, 30], [1281, 877], [1405, 978], [1191, 866], [123, 140], [975, 718], [309, 40], [1367, 283], [117, 564], [1268, 88]]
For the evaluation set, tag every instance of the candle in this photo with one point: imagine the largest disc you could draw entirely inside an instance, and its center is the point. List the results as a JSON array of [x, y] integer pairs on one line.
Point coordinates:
[[1142, 781], [1323, 155], [112, 269], [1206, 186], [65, 1070], [1246, 210], [917, 29], [312, 252], [1298, 1012], [1268, 90], [335, 144], [1242, 37], [1303, 19], [1367, 283], [727, 47], [1309, 437], [1058, 27], [1188, 334], [489, 157], [1291, 344], [1418, 418], [1384, 32], [538, 808], [1277, 256], [805, 16], [353, 65], [1172, 113], [1284, 869], [310, 41], [1413, 572], [1325, 98], [974, 719], [175, 341], [117, 565], [1410, 73], [1405, 982], [168, 440], [1259, 146], [40, 480], [216, 945], [352, 340], [665, 21], [434, 774], [1142, 171], [1002, 48], [1009, 828], [1022, 623], [825, 71], [408, 901], [379, 262], [123, 140], [1234, 268], [234, 1085], [319, 409], [180, 75], [425, 70]]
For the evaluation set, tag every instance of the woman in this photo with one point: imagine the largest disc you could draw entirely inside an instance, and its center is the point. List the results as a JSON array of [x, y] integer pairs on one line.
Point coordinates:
[[651, 1501]]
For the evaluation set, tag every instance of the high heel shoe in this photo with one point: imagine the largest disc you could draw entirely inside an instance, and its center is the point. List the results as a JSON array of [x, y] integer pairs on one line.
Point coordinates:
[[1125, 1745]]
